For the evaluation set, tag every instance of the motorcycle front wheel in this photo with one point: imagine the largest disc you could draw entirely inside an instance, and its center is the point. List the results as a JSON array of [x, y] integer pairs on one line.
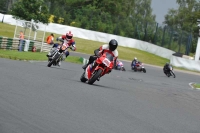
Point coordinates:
[[95, 76], [144, 70], [173, 74], [53, 60]]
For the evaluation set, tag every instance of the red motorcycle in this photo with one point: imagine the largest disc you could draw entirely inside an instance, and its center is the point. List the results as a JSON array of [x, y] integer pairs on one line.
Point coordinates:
[[101, 66]]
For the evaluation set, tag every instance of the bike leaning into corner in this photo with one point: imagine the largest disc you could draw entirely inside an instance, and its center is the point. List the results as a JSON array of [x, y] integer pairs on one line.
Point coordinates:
[[168, 70], [57, 55], [101, 66]]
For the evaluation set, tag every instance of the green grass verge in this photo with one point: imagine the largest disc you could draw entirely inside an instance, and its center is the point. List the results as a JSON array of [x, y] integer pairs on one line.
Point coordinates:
[[88, 46], [15, 55], [83, 46], [196, 85]]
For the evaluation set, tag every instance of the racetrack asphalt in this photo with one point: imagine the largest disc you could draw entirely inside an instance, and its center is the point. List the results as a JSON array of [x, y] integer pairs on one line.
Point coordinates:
[[38, 99]]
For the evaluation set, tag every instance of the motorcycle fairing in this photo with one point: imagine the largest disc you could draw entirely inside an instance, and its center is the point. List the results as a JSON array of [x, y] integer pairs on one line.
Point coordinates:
[[88, 71]]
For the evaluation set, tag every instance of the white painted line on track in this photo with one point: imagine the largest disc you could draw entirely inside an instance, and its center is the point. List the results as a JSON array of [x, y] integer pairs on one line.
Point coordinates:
[[190, 84]]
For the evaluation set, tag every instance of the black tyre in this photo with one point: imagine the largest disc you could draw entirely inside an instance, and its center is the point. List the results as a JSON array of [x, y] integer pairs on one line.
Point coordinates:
[[144, 70], [173, 74], [83, 79], [53, 60], [95, 76], [168, 74]]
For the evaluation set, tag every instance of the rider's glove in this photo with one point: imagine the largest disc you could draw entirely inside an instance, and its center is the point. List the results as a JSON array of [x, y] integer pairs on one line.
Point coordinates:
[[72, 48], [98, 55]]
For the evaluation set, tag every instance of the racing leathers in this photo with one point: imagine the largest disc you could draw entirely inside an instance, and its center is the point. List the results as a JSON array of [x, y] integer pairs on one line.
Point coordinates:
[[98, 52], [69, 44], [166, 68], [134, 62]]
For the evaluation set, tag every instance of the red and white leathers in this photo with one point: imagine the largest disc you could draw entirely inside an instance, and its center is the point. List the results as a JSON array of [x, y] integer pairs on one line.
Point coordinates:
[[68, 42], [119, 63]]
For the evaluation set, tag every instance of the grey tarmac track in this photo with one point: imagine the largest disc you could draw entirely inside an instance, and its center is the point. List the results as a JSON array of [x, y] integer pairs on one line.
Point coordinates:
[[38, 99]]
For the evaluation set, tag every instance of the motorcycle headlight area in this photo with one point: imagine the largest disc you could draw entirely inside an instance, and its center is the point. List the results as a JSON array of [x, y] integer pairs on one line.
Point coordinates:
[[106, 62]]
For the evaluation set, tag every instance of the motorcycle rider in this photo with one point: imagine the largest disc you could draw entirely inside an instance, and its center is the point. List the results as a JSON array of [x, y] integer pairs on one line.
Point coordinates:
[[67, 40], [110, 48], [119, 64], [134, 62], [166, 68]]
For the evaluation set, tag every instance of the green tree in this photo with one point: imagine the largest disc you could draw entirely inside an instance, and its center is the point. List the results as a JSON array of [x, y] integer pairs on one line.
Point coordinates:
[[3, 6], [184, 19], [185, 16], [30, 9]]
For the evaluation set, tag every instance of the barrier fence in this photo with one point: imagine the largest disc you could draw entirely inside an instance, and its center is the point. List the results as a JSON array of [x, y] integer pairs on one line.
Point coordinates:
[[13, 44]]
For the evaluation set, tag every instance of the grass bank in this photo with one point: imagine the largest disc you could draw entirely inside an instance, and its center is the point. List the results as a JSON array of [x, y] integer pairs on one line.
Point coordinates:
[[15, 55], [88, 46]]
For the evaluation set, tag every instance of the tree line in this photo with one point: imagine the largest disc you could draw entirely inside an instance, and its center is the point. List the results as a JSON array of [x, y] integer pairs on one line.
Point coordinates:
[[129, 18]]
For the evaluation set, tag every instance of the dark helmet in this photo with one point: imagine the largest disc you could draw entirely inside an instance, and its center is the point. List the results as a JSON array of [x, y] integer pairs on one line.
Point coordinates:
[[167, 64], [52, 34], [113, 44]]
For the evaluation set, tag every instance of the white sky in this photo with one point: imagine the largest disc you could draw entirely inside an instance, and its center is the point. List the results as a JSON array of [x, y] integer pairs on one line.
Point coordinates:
[[161, 7]]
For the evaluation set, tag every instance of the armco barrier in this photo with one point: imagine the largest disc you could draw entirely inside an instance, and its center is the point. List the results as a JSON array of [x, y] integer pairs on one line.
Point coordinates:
[[13, 44]]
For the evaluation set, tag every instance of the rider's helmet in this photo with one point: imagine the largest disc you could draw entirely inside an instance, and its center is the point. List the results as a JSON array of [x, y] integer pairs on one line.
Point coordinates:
[[167, 64], [135, 59], [69, 36], [113, 44]]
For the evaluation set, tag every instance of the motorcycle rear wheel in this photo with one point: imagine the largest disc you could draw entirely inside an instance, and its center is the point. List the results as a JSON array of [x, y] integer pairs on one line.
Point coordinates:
[[95, 76]]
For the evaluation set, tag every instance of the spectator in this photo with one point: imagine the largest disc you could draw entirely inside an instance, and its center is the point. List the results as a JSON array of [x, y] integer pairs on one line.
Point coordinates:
[[50, 39], [21, 40]]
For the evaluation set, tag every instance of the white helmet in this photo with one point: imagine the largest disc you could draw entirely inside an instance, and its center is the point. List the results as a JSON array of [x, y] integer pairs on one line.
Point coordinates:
[[135, 58]]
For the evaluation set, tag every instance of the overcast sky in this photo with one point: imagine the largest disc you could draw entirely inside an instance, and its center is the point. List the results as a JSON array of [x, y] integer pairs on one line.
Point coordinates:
[[161, 7]]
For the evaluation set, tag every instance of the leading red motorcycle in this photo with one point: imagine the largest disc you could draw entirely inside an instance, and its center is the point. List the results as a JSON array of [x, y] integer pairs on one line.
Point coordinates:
[[101, 66]]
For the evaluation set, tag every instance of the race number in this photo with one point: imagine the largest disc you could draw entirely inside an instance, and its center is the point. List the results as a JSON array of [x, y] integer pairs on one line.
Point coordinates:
[[106, 62]]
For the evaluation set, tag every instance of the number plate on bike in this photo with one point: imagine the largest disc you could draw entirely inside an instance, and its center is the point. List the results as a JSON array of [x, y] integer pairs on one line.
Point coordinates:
[[106, 62], [63, 47]]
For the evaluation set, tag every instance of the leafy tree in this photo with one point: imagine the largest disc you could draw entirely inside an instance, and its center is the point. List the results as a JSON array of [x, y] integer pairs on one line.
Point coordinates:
[[30, 9], [3, 6], [184, 18]]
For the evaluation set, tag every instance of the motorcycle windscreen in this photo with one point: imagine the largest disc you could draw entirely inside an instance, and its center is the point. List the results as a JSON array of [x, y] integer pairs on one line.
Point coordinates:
[[170, 67], [109, 56]]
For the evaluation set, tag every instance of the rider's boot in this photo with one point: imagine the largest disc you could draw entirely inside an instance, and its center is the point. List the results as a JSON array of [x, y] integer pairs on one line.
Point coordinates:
[[85, 66], [59, 63]]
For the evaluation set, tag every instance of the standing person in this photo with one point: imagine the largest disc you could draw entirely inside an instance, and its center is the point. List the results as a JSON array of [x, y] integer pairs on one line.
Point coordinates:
[[21, 40], [50, 39]]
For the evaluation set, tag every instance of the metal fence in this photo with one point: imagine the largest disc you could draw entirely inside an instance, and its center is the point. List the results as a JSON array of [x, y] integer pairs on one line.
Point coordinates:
[[158, 34], [13, 44], [32, 34], [165, 36]]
